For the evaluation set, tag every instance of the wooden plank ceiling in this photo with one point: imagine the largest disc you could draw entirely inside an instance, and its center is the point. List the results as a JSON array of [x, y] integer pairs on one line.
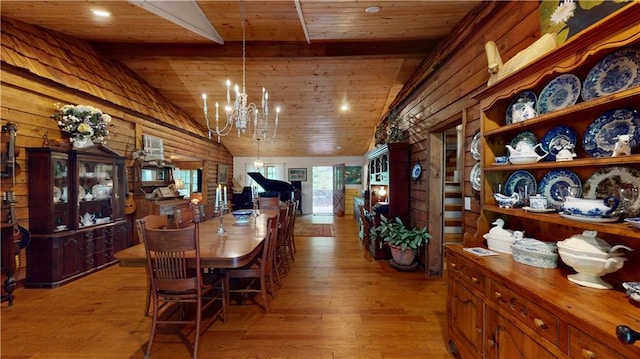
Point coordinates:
[[311, 55]]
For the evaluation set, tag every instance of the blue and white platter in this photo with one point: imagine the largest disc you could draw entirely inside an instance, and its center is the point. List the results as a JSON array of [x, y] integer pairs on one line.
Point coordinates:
[[616, 72], [552, 182], [526, 136], [518, 180], [475, 147], [561, 92], [475, 177], [522, 97], [556, 139], [601, 136], [606, 181]]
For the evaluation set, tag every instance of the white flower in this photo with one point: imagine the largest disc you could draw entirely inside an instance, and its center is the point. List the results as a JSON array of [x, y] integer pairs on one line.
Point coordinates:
[[84, 120], [563, 12]]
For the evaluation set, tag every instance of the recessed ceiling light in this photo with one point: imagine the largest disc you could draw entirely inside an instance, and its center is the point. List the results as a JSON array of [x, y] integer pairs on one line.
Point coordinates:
[[338, 147], [372, 9], [344, 107], [101, 13]]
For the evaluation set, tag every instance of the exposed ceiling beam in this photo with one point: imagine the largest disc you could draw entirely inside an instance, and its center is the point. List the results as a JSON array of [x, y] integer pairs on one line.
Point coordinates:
[[268, 49], [302, 22], [185, 13]]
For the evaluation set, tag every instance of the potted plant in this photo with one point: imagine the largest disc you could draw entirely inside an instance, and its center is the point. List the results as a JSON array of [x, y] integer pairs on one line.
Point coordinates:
[[404, 242]]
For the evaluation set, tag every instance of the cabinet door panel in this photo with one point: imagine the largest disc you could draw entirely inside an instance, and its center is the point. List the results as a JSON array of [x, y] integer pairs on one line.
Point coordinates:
[[506, 341], [466, 316], [72, 256], [582, 345]]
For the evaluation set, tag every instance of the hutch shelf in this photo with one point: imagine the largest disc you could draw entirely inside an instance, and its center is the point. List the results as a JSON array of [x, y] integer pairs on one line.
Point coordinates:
[[77, 219], [499, 308]]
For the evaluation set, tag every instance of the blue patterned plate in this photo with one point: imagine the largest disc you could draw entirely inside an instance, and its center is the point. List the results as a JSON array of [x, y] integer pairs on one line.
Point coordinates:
[[518, 180], [600, 138], [523, 97], [561, 92], [556, 139], [526, 136], [616, 72], [552, 183]]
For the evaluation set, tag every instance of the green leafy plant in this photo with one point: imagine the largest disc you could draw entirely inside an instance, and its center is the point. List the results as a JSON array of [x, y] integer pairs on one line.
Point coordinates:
[[394, 232], [396, 133]]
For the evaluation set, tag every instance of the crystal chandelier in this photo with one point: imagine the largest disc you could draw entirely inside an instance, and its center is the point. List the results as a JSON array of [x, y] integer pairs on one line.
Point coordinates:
[[258, 163], [245, 116]]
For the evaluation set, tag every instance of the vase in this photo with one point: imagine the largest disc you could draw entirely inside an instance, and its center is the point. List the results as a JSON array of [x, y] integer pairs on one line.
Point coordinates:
[[80, 141], [401, 257]]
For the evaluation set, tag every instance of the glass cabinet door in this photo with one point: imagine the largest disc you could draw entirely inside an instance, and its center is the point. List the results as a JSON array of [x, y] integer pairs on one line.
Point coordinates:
[[61, 182], [95, 192]]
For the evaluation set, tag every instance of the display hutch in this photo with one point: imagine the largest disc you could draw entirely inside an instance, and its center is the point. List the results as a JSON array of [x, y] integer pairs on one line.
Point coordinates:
[[76, 213], [388, 187], [499, 308]]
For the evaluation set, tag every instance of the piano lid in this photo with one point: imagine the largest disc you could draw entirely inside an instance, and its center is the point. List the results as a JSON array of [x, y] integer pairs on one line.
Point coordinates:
[[271, 185]]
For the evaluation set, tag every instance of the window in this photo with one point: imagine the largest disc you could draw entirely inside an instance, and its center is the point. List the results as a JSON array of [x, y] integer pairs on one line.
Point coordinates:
[[192, 181]]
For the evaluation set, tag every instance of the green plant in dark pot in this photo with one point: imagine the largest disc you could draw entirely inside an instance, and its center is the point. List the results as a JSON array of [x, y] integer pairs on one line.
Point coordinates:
[[404, 242]]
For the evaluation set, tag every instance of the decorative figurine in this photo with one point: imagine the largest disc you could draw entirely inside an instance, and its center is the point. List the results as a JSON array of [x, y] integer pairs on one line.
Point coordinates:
[[622, 147], [565, 153]]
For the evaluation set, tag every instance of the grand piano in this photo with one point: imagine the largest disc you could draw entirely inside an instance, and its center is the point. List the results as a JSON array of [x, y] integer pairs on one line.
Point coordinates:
[[272, 188]]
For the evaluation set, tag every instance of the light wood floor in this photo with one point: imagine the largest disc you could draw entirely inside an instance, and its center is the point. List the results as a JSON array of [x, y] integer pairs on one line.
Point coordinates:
[[335, 303]]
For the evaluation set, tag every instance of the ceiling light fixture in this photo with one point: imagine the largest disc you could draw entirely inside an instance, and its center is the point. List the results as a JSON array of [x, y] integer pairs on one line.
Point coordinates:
[[372, 9], [245, 116], [101, 13]]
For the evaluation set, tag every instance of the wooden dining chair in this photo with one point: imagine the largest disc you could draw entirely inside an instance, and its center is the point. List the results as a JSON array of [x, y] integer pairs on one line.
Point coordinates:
[[254, 277], [173, 260], [155, 222], [209, 211], [280, 260], [266, 203], [185, 216], [291, 243]]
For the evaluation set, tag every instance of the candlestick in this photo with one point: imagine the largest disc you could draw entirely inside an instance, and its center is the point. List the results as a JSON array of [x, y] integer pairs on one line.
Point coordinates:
[[225, 194]]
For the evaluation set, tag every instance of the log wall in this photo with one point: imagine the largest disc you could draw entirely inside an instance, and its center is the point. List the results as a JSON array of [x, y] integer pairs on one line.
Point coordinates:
[[40, 68]]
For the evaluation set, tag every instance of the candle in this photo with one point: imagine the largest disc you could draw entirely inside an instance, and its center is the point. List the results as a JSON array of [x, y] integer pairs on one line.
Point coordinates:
[[225, 194], [217, 196]]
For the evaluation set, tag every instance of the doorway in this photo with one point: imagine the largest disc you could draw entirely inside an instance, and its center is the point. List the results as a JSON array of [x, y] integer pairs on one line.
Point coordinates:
[[322, 190]]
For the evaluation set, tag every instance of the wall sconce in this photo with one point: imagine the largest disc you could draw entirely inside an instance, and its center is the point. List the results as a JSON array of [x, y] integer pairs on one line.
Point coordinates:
[[382, 192]]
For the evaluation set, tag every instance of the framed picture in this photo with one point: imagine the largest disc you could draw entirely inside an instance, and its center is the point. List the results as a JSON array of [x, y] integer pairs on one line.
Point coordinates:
[[223, 174], [353, 174], [297, 174]]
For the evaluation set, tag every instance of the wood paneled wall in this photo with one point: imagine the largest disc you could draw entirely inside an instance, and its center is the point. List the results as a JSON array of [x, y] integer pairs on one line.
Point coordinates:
[[443, 94], [40, 68]]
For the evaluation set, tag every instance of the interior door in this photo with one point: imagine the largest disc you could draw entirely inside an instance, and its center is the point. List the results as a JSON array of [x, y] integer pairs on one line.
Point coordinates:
[[338, 189]]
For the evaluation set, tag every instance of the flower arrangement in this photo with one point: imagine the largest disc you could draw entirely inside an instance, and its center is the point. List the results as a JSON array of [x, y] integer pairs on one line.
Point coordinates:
[[82, 120]]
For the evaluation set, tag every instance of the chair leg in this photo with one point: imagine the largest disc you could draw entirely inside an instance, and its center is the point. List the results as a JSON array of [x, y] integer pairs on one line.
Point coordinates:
[[198, 321], [264, 293], [153, 326]]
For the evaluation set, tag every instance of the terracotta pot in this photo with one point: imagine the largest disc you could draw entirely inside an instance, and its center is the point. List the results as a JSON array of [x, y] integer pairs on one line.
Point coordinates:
[[401, 257]]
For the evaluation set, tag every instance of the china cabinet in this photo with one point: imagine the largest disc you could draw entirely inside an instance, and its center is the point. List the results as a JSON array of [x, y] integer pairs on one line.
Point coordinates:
[[388, 187], [503, 309], [76, 213]]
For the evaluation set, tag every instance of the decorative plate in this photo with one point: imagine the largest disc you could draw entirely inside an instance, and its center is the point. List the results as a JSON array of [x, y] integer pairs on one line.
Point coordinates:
[[81, 193], [524, 96], [635, 223], [553, 181], [600, 138], [580, 218], [475, 177], [561, 92], [475, 146], [519, 180], [556, 139], [415, 171], [616, 72], [57, 194], [527, 136], [606, 181]]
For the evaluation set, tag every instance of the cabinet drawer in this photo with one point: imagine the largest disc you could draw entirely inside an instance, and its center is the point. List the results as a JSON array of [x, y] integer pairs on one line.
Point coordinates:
[[542, 322], [467, 271], [582, 345]]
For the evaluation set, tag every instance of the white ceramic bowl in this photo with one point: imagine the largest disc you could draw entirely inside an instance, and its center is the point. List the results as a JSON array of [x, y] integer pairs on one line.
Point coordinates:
[[242, 216], [533, 258], [498, 244], [590, 269], [634, 222]]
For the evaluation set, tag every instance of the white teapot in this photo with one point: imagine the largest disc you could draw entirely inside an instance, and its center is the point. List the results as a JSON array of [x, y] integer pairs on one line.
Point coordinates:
[[525, 153], [522, 111], [87, 219]]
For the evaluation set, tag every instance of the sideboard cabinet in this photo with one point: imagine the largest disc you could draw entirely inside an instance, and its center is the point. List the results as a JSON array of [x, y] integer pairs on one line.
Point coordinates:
[[76, 213], [503, 309]]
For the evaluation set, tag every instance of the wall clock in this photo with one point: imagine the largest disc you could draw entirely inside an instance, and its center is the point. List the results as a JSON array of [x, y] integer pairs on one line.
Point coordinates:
[[415, 171]]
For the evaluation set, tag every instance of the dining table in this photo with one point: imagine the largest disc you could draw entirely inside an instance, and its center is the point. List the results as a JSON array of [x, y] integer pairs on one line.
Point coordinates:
[[237, 246]]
